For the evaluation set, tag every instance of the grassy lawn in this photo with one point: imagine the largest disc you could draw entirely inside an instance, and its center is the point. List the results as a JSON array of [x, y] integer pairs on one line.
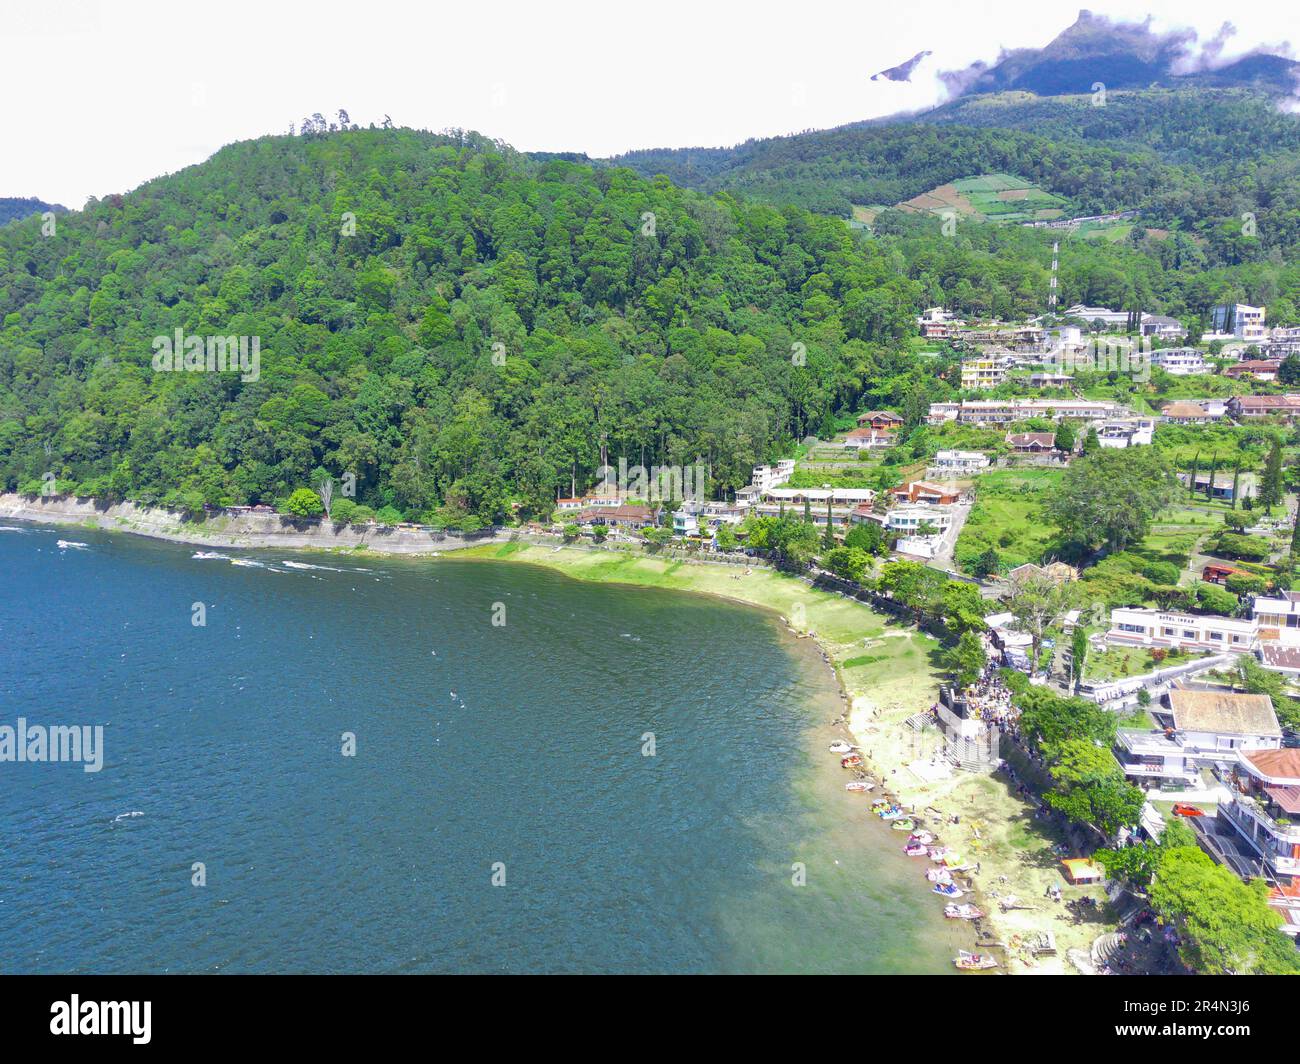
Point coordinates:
[[1120, 662], [1007, 517]]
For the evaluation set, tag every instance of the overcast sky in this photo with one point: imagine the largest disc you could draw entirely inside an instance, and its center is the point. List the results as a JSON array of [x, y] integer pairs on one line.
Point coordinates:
[[100, 96]]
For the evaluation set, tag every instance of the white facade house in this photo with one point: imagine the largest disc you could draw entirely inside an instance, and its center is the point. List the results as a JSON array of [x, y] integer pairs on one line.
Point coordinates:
[[1264, 810], [1126, 432], [1179, 361], [1112, 318], [1162, 326], [1197, 729], [1237, 321], [1132, 626], [1278, 618], [952, 463], [1004, 411]]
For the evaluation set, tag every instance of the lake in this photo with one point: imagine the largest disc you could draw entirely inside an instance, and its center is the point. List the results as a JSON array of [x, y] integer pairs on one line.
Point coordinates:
[[543, 775]]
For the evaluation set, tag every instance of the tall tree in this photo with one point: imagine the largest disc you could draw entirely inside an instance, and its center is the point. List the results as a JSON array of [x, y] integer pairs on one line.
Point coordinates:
[[1270, 484]]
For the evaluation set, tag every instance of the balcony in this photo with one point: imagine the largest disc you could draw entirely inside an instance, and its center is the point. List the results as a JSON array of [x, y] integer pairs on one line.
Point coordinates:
[[1272, 839]]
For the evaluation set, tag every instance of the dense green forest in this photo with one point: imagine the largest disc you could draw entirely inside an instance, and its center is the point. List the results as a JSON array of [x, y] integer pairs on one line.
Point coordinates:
[[1192, 160], [463, 327]]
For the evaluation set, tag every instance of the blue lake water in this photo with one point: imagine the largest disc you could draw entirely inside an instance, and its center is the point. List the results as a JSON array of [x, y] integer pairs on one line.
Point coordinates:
[[227, 740]]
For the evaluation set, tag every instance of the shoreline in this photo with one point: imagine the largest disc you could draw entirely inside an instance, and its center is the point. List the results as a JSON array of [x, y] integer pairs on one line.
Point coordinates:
[[885, 672], [897, 678]]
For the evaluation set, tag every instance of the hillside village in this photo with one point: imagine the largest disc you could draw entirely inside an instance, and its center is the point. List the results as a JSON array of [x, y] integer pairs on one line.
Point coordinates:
[[1187, 635]]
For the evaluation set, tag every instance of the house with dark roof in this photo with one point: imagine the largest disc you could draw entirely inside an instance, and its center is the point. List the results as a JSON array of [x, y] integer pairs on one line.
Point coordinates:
[[1032, 442], [1243, 407]]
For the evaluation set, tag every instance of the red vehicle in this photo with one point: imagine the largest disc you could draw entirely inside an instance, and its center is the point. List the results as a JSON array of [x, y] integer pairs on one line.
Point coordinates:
[[1188, 810]]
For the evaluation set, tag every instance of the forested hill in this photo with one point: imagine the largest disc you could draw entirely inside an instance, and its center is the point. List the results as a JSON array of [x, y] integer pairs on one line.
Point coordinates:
[[461, 327], [12, 208], [628, 311], [1191, 159]]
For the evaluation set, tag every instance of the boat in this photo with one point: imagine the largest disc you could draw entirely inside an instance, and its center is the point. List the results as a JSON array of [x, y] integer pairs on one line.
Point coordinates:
[[948, 889], [64, 544], [973, 962], [893, 812], [939, 853], [963, 912], [859, 785], [879, 803], [902, 825], [851, 761], [206, 554], [923, 837], [915, 849], [839, 746], [938, 875]]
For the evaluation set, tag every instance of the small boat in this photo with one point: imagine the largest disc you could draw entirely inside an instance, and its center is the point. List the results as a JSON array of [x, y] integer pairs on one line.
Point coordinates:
[[939, 854], [948, 890], [851, 761], [915, 849], [879, 803], [963, 912], [892, 813], [923, 837], [902, 825], [64, 544], [859, 785], [938, 875], [206, 554], [839, 746], [973, 962]]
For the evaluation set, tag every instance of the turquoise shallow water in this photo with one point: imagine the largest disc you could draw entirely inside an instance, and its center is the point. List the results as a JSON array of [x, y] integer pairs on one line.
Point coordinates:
[[227, 740]]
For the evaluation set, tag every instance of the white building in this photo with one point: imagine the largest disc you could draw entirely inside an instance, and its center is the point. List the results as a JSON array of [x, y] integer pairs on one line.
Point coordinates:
[[1237, 321], [1264, 810], [1112, 318], [951, 463], [1197, 729], [1165, 328], [1131, 626], [1179, 361], [1004, 411], [1126, 432]]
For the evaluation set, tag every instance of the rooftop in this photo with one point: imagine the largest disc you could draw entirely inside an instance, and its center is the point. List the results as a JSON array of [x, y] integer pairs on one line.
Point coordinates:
[[1223, 713], [1280, 765]]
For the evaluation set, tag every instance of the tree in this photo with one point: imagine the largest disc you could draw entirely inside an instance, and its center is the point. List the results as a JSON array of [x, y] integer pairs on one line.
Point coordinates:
[[1091, 441], [988, 564], [1191, 475], [1210, 598], [325, 489], [848, 562], [1037, 602], [1110, 498], [1295, 532], [829, 538], [967, 659], [963, 607], [304, 503], [1236, 481], [867, 536], [1226, 926], [1270, 484], [915, 586], [1078, 653], [726, 537], [1065, 437]]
